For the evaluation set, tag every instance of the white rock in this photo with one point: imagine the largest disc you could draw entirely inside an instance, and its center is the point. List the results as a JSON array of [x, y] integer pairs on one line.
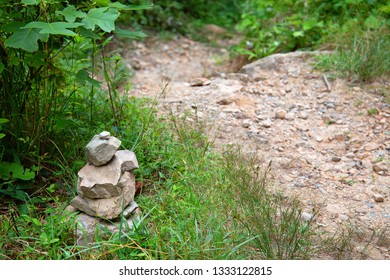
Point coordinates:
[[306, 217], [303, 115], [378, 197], [371, 147], [129, 210], [290, 116], [280, 114], [273, 63], [246, 123], [343, 217], [200, 82], [105, 135], [266, 123], [350, 155]]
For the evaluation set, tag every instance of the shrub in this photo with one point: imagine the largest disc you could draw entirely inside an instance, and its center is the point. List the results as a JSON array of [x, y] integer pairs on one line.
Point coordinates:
[[48, 82], [281, 26]]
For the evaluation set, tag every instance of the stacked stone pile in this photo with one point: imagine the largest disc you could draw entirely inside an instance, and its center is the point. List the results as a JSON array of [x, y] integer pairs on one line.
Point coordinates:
[[106, 188]]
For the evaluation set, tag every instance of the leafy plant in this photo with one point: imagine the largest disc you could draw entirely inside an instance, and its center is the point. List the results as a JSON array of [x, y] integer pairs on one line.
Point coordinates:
[[48, 69], [364, 57], [367, 57], [373, 111], [281, 26], [185, 17]]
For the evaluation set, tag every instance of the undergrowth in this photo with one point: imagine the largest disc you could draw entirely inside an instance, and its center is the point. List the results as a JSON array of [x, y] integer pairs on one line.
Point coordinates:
[[196, 203], [364, 57]]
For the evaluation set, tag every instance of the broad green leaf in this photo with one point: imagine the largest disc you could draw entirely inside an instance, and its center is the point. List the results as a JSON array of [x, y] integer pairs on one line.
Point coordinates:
[[298, 34], [35, 59], [22, 174], [130, 34], [16, 171], [57, 28], [43, 236], [385, 9], [2, 135], [102, 3], [309, 24], [31, 2], [102, 17], [121, 7], [353, 2], [36, 222], [1, 67], [71, 13], [12, 27], [82, 76], [25, 39], [3, 120], [88, 33], [373, 22], [61, 124], [320, 24], [246, 22]]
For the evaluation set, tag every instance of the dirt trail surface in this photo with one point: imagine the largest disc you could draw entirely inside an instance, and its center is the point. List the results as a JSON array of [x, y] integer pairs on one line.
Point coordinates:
[[327, 143]]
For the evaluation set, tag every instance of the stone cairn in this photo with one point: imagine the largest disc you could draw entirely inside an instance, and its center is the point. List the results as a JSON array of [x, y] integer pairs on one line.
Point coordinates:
[[106, 189]]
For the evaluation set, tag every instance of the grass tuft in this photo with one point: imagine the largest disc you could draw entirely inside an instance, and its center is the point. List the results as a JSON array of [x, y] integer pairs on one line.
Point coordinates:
[[365, 57]]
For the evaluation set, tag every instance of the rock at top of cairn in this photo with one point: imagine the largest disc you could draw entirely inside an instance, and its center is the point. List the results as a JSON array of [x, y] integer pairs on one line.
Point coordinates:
[[102, 148]]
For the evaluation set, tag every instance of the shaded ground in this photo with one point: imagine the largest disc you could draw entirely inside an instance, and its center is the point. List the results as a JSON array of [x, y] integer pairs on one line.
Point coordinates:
[[329, 141]]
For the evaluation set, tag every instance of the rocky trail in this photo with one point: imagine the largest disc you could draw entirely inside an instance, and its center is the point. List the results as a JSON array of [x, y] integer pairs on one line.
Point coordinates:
[[329, 141]]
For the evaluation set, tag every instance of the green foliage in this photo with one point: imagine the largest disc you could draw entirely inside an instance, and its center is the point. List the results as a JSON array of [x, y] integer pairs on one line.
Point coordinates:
[[48, 67], [183, 16], [282, 26], [273, 221], [15, 170], [36, 235], [184, 214], [362, 57], [2, 121], [373, 111], [367, 58]]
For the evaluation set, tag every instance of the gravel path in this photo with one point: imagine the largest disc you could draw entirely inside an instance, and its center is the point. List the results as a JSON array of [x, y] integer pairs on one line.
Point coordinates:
[[329, 141]]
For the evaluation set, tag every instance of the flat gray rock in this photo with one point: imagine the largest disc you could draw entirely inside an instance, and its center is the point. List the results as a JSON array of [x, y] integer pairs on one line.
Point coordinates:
[[108, 208], [87, 227], [103, 181], [101, 149], [127, 160]]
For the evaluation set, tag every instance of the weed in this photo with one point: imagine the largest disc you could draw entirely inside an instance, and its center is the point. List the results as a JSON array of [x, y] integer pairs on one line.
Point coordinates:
[[373, 111], [358, 103], [36, 235], [364, 58], [351, 182], [379, 159]]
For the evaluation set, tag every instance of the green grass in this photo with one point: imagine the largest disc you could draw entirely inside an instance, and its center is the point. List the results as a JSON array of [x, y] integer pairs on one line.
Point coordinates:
[[196, 203], [373, 111], [365, 57]]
